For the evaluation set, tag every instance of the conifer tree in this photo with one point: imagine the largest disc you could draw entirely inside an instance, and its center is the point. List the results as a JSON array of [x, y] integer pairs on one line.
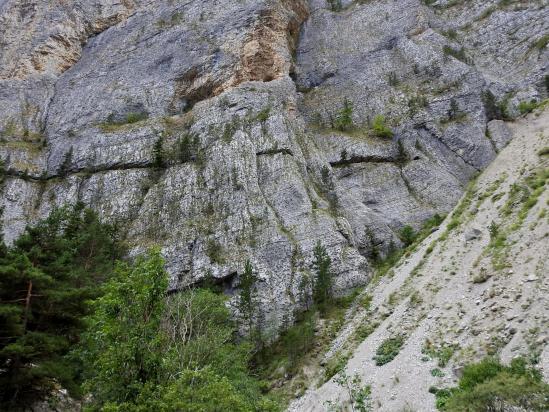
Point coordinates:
[[247, 300], [322, 288], [46, 277]]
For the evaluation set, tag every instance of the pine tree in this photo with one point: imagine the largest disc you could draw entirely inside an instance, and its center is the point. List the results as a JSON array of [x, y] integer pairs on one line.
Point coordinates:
[[344, 118], [158, 153], [66, 164], [453, 112], [45, 280], [247, 300], [322, 288]]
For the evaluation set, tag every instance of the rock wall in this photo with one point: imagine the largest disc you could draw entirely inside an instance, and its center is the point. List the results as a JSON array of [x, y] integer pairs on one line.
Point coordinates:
[[240, 94]]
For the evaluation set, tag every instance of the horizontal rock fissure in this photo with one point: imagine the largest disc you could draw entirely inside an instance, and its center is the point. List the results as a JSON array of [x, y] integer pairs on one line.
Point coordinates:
[[24, 176], [274, 152], [362, 159]]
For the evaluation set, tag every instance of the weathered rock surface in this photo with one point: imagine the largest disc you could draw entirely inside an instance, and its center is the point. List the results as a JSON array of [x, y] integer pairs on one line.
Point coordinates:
[[240, 94], [454, 302]]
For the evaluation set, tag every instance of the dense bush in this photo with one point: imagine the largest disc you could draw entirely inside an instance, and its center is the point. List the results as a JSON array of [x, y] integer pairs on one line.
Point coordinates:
[[145, 352], [489, 385]]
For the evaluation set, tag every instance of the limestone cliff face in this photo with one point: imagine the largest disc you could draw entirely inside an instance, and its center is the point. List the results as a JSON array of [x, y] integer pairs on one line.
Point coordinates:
[[461, 295], [241, 94]]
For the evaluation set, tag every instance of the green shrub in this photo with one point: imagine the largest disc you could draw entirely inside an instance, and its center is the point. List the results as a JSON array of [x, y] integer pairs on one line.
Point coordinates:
[[366, 301], [187, 149], [65, 166], [335, 5], [443, 354], [392, 79], [359, 395], [544, 151], [263, 115], [298, 340], [365, 330], [344, 117], [488, 385], [437, 373], [214, 250], [458, 54], [380, 128], [541, 43], [388, 350], [407, 235], [454, 112], [415, 103], [135, 117], [527, 107], [247, 300], [3, 171], [335, 365], [493, 229], [493, 108], [112, 125]]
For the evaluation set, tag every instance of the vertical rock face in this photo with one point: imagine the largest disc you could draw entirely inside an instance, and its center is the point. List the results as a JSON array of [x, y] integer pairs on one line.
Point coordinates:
[[457, 297], [241, 95]]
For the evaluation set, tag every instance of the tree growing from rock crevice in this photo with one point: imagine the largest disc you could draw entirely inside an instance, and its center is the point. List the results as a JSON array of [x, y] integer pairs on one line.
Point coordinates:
[[323, 283]]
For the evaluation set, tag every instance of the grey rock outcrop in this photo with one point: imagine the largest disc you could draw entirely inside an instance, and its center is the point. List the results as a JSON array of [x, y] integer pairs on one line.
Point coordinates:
[[240, 94]]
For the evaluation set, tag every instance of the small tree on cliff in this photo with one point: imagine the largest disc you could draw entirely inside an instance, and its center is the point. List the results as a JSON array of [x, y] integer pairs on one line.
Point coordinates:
[[322, 288], [247, 300]]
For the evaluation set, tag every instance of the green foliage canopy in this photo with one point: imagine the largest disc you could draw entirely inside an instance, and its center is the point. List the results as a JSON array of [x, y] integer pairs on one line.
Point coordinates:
[[46, 278]]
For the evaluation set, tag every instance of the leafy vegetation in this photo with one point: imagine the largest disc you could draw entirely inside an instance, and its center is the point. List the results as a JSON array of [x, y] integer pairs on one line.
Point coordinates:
[[493, 108], [454, 112], [489, 385], [407, 235], [215, 251], [335, 5], [65, 166], [410, 239], [144, 352], [112, 124], [388, 350], [359, 395], [443, 353], [458, 54], [380, 127], [528, 107], [46, 277], [544, 151], [344, 117], [187, 148]]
